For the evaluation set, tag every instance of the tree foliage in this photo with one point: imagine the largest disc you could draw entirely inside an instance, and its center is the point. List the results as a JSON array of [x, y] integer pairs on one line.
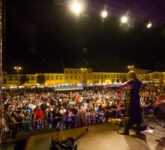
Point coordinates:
[[23, 79], [40, 79]]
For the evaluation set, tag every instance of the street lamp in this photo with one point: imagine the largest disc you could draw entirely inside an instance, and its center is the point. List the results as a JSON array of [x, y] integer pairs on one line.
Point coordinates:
[[83, 70], [17, 69], [131, 67], [76, 7]]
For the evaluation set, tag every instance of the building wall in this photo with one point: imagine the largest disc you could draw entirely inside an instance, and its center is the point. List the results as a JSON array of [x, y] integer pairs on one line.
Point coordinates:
[[81, 75]]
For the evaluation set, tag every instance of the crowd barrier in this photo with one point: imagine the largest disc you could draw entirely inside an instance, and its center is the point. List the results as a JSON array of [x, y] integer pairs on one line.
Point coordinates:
[[11, 130]]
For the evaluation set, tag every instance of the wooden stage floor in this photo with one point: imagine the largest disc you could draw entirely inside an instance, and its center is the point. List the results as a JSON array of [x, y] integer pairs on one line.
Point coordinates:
[[105, 137]]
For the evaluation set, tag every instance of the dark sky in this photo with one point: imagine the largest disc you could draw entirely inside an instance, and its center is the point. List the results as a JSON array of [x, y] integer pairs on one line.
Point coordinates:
[[42, 36]]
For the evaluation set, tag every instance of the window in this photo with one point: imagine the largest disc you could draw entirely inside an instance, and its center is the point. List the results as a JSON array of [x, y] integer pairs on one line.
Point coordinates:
[[52, 78], [47, 78], [10, 78], [60, 77], [56, 77]]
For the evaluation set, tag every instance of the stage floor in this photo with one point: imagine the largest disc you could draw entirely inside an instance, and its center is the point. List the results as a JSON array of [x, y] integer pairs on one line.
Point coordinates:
[[105, 137]]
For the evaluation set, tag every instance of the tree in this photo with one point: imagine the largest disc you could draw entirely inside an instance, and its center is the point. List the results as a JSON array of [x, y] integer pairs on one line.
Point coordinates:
[[40, 79], [23, 79]]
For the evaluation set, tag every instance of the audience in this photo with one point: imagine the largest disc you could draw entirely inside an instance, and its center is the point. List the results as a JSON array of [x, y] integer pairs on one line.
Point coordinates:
[[32, 109]]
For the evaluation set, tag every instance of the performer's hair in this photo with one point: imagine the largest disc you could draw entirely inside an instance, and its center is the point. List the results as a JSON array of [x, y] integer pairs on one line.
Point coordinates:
[[132, 75]]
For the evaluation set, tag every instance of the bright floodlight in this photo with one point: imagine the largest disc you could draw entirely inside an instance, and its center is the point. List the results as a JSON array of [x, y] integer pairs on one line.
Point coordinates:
[[124, 19], [149, 25], [76, 7], [104, 14]]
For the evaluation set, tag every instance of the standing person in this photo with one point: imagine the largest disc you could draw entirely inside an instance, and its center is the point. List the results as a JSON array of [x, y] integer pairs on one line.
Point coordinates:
[[38, 117], [14, 124], [133, 109]]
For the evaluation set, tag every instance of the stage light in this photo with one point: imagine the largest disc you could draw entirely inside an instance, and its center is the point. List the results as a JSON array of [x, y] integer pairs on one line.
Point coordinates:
[[149, 25], [76, 7], [104, 14], [124, 19]]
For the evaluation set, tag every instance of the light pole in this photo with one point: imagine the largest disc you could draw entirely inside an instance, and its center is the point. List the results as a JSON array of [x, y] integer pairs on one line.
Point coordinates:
[[2, 18], [130, 67], [83, 70], [17, 69]]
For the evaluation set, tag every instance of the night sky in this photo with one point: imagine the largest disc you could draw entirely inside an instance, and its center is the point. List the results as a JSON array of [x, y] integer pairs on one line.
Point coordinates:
[[43, 36]]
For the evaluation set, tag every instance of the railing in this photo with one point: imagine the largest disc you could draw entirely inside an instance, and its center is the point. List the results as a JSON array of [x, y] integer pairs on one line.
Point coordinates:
[[13, 130]]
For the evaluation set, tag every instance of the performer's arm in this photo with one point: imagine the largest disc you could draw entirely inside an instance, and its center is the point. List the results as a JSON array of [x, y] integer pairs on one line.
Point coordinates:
[[123, 85], [126, 84], [144, 84]]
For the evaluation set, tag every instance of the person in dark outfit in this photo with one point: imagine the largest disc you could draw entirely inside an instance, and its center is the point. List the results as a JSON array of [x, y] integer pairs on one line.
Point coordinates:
[[133, 108], [14, 124]]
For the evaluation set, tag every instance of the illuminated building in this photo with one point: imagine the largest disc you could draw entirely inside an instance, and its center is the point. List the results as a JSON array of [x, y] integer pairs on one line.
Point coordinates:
[[81, 75]]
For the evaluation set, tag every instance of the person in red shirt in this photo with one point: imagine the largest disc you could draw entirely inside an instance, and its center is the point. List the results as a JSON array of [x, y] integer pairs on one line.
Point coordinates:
[[38, 114], [38, 117]]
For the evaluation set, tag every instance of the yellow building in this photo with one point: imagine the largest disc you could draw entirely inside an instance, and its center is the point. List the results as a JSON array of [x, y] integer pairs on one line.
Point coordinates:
[[79, 75]]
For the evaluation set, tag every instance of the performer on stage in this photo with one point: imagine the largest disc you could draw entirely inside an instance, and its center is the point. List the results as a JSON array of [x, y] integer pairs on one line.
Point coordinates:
[[133, 108]]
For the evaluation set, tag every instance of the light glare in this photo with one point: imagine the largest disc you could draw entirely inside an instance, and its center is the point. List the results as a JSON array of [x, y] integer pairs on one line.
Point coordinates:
[[104, 14], [76, 7], [149, 25], [124, 19]]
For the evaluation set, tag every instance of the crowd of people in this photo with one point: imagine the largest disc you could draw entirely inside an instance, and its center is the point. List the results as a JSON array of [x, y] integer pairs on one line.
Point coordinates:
[[32, 109]]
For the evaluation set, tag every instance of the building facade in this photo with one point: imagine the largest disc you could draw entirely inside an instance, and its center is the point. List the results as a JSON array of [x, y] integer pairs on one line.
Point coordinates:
[[79, 75]]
